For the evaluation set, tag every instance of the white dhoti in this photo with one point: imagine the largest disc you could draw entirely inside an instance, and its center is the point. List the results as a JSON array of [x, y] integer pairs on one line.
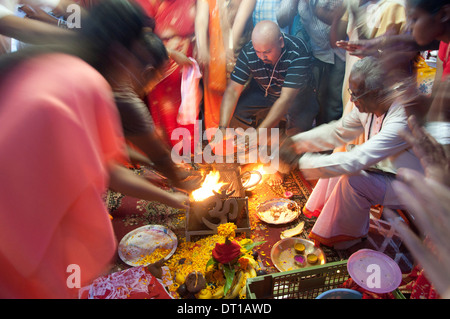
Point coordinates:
[[346, 208]]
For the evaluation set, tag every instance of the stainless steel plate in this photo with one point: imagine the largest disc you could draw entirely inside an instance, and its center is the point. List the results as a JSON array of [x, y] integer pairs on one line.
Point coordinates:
[[143, 241], [283, 253], [288, 208]]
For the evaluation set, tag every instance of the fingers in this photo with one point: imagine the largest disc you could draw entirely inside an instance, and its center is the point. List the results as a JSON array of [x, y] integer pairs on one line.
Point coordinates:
[[288, 156], [429, 210], [436, 268], [184, 203], [430, 153]]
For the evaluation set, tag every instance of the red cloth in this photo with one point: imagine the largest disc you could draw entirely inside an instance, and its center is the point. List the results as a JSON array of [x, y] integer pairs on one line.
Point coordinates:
[[60, 129], [421, 288], [443, 54], [350, 284]]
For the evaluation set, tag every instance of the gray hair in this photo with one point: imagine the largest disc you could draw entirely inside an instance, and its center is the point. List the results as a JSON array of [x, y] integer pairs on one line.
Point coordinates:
[[371, 70]]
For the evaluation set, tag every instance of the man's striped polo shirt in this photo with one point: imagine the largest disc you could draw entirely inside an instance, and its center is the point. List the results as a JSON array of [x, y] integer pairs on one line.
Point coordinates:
[[293, 70]]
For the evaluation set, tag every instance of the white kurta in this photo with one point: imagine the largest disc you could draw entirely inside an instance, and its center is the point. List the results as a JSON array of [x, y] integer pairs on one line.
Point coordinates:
[[385, 149], [353, 186]]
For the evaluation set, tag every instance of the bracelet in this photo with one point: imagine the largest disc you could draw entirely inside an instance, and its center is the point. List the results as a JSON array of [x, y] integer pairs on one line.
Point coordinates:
[[62, 24], [222, 127]]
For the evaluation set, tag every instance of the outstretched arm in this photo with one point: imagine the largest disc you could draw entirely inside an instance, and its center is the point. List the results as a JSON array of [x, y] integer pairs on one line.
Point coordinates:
[[33, 31], [125, 181]]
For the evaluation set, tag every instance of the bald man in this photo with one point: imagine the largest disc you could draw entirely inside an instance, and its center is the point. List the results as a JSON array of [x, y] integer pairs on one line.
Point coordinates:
[[280, 89]]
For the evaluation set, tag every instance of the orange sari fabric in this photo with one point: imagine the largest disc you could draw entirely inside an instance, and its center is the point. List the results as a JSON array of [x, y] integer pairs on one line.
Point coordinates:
[[216, 74]]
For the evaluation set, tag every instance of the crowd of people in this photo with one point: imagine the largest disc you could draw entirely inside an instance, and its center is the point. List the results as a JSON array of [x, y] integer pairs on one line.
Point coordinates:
[[89, 86]]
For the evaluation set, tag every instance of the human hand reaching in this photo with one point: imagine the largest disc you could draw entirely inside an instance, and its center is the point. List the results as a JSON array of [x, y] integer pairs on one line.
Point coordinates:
[[428, 201], [427, 198], [288, 156], [431, 154]]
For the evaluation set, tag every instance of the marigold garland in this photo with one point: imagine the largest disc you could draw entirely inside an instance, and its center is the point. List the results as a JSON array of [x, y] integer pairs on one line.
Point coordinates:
[[194, 256]]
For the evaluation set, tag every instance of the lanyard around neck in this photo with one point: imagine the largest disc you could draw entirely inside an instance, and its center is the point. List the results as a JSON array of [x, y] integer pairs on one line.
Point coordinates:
[[273, 72]]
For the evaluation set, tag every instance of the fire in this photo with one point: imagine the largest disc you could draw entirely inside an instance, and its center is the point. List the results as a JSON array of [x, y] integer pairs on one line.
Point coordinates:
[[210, 184], [261, 169]]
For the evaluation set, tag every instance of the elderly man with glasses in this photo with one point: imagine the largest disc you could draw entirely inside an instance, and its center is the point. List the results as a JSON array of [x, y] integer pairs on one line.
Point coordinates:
[[362, 176]]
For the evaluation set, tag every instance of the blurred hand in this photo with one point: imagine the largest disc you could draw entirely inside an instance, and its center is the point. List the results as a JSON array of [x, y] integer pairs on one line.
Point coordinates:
[[218, 139], [188, 180], [427, 199], [360, 48], [231, 60], [180, 58], [288, 156], [36, 13], [178, 200], [203, 58], [429, 202], [431, 154]]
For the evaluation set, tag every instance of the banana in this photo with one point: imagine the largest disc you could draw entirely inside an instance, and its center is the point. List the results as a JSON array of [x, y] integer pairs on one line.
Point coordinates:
[[243, 292], [238, 281], [251, 270], [219, 293], [204, 294]]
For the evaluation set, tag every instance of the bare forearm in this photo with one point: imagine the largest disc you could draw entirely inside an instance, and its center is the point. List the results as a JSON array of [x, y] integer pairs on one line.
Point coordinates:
[[243, 15], [32, 31], [126, 182], [201, 25], [229, 102]]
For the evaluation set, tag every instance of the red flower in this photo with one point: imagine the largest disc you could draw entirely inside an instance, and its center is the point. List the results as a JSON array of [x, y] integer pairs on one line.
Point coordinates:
[[225, 253]]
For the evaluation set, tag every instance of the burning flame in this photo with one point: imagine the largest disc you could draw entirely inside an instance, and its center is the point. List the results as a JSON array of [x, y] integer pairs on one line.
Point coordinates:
[[210, 184], [254, 178]]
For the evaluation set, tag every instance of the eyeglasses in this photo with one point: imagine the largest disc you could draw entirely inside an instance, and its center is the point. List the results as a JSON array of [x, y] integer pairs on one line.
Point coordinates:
[[356, 98]]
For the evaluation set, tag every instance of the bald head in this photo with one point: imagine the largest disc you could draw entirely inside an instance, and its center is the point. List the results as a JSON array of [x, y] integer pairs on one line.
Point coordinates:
[[266, 31], [267, 41]]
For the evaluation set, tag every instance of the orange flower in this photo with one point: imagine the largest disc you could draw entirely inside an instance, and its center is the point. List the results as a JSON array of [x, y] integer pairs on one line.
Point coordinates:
[[243, 262]]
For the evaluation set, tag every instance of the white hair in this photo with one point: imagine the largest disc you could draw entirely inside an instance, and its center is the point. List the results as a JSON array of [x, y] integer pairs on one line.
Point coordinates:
[[371, 70]]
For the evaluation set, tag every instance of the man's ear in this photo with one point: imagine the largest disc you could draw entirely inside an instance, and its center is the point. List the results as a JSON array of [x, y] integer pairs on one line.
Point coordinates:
[[281, 42]]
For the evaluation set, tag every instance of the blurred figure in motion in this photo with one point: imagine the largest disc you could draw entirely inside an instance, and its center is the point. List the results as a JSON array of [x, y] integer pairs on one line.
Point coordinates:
[[427, 198], [130, 89], [174, 24], [61, 131], [430, 21], [362, 176], [429, 24]]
